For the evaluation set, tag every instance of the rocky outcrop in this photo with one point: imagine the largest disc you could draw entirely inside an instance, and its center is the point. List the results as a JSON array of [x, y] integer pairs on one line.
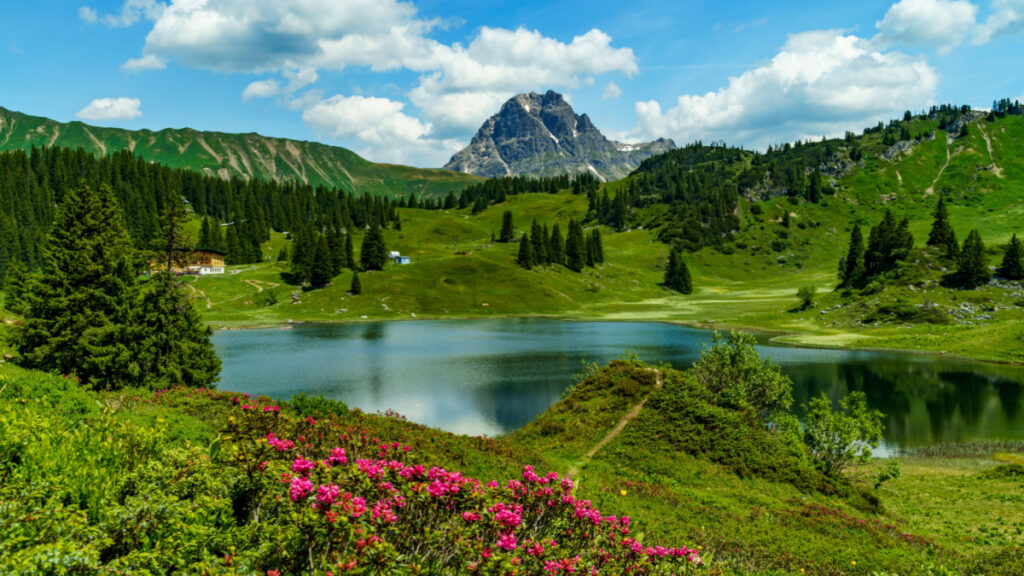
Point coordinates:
[[540, 135]]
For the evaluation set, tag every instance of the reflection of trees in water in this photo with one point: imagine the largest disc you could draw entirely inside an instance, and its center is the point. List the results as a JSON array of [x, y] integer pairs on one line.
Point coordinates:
[[1010, 392], [521, 388]]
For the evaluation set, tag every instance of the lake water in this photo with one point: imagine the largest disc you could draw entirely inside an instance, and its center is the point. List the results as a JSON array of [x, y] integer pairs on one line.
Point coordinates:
[[494, 376]]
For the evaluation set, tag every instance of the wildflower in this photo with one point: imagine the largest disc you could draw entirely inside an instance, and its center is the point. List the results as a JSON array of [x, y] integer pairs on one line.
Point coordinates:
[[300, 488], [507, 541], [622, 492], [337, 457], [326, 494], [302, 466]]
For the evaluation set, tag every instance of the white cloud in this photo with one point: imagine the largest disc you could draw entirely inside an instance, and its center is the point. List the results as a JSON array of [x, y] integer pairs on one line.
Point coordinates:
[[131, 12], [820, 82], [943, 24], [387, 132], [111, 109], [88, 15], [261, 89], [147, 62], [1006, 18], [611, 91], [459, 85]]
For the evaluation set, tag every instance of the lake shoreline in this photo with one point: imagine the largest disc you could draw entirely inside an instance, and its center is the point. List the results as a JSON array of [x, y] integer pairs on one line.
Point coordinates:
[[776, 335]]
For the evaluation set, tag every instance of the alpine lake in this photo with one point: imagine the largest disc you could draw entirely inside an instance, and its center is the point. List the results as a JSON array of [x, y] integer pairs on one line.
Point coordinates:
[[489, 377]]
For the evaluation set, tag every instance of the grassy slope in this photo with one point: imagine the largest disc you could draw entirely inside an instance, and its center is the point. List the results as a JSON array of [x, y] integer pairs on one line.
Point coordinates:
[[752, 287], [229, 155]]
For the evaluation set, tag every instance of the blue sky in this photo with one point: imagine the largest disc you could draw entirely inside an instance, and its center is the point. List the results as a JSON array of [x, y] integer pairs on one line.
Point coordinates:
[[410, 82]]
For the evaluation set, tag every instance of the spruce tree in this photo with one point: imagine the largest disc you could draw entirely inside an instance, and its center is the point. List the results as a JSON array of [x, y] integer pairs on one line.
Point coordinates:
[[1012, 268], [508, 229], [303, 254], [321, 271], [79, 306], [525, 256], [539, 250], [588, 248], [677, 275], [356, 288], [852, 266], [556, 246], [336, 245], [15, 287], [172, 346], [350, 258], [597, 246], [972, 268], [942, 233], [373, 254], [204, 235], [282, 255], [575, 251]]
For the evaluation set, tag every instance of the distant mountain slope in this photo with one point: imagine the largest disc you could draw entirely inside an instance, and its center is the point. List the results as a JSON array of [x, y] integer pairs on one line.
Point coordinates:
[[541, 135], [230, 155]]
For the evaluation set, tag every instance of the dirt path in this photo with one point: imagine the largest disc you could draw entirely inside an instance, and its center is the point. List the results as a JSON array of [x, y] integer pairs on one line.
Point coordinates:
[[988, 143], [618, 427], [200, 294], [949, 156], [258, 284]]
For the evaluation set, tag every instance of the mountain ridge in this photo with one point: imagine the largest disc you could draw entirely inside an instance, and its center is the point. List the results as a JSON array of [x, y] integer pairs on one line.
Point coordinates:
[[246, 155], [541, 135]]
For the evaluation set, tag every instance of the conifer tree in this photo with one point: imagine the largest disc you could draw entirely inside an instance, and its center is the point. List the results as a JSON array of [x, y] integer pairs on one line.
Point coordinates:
[[942, 233], [588, 248], [336, 245], [575, 251], [303, 254], [356, 288], [373, 254], [282, 255], [172, 346], [677, 275], [350, 258], [204, 235], [79, 305], [525, 256], [323, 266], [508, 229], [1012, 268], [539, 250], [556, 246], [851, 267], [972, 268], [597, 245], [15, 287]]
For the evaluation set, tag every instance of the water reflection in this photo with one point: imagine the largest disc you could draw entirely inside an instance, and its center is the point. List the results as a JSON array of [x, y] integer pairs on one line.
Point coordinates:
[[494, 376]]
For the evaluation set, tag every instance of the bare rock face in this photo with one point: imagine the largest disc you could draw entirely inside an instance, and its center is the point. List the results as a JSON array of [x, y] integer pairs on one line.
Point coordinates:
[[541, 135]]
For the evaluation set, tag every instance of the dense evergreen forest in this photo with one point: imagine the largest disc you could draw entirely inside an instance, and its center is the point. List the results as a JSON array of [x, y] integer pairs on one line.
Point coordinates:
[[33, 184]]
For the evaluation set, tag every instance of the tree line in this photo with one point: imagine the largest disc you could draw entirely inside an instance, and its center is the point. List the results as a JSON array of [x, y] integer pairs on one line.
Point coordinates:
[[579, 249], [90, 313], [890, 243]]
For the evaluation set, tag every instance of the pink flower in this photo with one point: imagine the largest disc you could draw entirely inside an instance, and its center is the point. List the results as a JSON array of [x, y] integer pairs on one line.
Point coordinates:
[[302, 466], [300, 488], [271, 409], [326, 494], [338, 457], [507, 541], [470, 516], [279, 444]]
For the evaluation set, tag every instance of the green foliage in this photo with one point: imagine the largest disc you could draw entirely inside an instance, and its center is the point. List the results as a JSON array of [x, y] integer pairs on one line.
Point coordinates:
[[942, 233], [356, 287], [172, 345], [525, 256], [575, 250], [806, 296], [14, 287], [317, 406], [323, 266], [888, 244], [677, 275], [373, 254], [508, 228], [972, 266], [851, 267], [840, 439], [889, 471], [731, 370], [79, 305], [1012, 266]]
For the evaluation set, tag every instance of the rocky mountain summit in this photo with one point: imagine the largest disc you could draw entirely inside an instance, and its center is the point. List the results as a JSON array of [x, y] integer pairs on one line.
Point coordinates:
[[541, 135]]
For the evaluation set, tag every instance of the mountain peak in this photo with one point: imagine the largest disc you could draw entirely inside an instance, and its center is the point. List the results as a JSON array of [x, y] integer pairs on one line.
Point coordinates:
[[541, 135]]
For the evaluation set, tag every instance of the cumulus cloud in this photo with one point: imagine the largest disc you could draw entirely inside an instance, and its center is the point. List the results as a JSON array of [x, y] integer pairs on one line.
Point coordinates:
[[943, 24], [102, 109], [611, 91], [389, 134], [147, 62], [1006, 18], [131, 12], [88, 15], [820, 82], [458, 85]]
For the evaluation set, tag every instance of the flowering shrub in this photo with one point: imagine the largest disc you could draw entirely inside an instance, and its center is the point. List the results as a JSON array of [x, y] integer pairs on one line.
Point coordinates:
[[319, 498]]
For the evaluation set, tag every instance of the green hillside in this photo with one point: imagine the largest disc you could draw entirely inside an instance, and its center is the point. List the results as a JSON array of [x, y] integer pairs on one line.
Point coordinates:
[[245, 156]]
